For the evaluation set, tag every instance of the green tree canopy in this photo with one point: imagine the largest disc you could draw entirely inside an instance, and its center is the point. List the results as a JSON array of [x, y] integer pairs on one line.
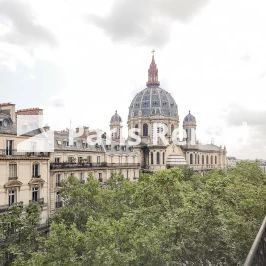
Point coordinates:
[[171, 217]]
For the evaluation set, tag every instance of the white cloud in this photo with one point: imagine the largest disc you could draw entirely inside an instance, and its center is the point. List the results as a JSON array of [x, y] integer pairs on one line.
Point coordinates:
[[146, 22], [211, 65]]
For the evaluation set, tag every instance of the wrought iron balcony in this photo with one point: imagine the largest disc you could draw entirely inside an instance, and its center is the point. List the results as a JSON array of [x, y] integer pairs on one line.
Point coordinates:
[[55, 166], [44, 228], [40, 201], [257, 253], [59, 183], [15, 153], [6, 207], [13, 178], [59, 204]]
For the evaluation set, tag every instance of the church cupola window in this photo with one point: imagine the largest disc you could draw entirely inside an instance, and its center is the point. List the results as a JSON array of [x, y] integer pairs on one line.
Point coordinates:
[[158, 157], [145, 130]]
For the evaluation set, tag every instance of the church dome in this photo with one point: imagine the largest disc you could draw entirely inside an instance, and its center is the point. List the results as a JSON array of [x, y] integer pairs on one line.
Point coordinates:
[[116, 118], [153, 100], [189, 120]]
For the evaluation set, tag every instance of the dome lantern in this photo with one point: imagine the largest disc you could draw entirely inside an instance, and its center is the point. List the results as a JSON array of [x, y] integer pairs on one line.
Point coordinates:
[[189, 120], [116, 119]]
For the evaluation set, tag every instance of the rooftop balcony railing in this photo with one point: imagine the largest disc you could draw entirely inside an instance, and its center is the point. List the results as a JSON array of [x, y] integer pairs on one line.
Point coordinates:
[[7, 152], [257, 253], [55, 166]]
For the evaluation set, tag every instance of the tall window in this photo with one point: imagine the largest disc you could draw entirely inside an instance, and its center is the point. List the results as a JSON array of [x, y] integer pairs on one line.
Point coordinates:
[[58, 180], [211, 160], [58, 196], [215, 159], [98, 159], [151, 157], [82, 177], [12, 196], [207, 159], [163, 158], [13, 170], [158, 157], [202, 159], [191, 159], [57, 160], [58, 203], [145, 130], [89, 159], [9, 147], [100, 177], [35, 194], [198, 159], [35, 170]]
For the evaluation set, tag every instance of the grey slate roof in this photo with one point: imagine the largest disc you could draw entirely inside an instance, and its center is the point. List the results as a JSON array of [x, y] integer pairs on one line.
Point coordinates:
[[189, 119], [153, 101], [116, 118], [203, 147]]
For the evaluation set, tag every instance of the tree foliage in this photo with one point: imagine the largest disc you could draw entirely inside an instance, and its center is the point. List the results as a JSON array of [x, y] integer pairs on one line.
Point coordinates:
[[171, 217], [19, 234]]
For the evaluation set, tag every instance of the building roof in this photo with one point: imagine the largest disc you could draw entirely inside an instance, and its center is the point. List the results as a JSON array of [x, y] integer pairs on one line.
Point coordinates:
[[116, 118], [189, 120], [30, 111], [153, 100], [203, 147]]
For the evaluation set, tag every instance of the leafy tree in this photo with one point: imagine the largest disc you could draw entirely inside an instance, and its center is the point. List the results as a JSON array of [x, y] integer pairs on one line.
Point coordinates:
[[171, 217], [20, 237]]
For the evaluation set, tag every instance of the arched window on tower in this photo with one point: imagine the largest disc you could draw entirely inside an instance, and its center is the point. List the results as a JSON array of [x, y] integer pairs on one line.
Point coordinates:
[[172, 128], [151, 157], [145, 130], [191, 159], [158, 157], [207, 159]]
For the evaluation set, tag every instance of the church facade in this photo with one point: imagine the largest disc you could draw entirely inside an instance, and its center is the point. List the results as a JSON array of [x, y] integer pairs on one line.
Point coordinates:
[[153, 112]]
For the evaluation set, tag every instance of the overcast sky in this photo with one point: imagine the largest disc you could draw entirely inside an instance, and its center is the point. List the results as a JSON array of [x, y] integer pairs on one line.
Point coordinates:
[[81, 60]]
